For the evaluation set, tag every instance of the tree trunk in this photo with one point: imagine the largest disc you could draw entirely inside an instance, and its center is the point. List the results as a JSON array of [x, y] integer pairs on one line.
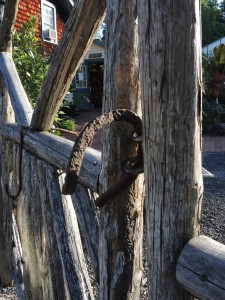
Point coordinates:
[[171, 92], [121, 221]]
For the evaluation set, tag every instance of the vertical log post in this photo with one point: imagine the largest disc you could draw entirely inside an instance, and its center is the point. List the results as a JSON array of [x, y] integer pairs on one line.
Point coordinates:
[[171, 93], [121, 221], [7, 18]]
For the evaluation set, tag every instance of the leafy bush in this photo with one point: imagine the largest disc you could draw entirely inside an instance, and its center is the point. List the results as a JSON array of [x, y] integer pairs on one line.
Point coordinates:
[[212, 116], [68, 124], [29, 58]]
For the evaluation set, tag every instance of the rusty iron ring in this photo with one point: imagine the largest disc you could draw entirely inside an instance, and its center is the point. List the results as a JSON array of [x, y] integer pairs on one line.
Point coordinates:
[[84, 140]]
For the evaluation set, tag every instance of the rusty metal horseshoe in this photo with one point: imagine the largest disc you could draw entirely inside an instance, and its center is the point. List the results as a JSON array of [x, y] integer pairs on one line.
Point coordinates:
[[84, 140]]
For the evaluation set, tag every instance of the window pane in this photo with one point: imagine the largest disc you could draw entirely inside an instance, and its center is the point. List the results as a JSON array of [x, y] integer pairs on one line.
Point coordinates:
[[81, 77], [48, 16], [49, 31]]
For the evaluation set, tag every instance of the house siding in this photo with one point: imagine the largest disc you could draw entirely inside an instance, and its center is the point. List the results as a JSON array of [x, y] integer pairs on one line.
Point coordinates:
[[95, 49], [27, 9]]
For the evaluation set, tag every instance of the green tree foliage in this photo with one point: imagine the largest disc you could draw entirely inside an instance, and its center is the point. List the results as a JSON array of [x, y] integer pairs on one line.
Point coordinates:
[[29, 58], [213, 20]]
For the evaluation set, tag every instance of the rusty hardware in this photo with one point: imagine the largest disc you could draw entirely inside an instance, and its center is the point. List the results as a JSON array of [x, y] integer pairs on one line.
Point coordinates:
[[132, 167], [19, 188]]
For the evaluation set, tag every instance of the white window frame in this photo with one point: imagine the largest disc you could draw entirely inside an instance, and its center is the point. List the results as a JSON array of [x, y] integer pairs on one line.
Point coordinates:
[[85, 79], [49, 4]]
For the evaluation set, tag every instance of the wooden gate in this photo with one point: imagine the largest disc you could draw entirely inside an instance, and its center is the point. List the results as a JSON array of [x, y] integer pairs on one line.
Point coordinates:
[[62, 247]]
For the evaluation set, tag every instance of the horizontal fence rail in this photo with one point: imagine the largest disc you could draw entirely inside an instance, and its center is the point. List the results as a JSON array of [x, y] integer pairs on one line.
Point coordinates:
[[56, 150]]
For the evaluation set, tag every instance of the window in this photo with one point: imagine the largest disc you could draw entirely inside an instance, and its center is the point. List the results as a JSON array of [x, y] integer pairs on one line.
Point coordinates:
[[95, 55], [49, 30], [81, 77]]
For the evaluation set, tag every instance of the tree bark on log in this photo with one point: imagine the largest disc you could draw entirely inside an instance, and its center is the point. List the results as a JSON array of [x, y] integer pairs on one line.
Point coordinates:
[[121, 221], [171, 96], [80, 29]]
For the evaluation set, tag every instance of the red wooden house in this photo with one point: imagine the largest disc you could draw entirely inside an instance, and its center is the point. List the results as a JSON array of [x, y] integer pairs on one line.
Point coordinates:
[[52, 16]]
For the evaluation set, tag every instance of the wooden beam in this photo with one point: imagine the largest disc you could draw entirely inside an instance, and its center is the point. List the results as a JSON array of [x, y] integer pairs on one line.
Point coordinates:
[[56, 150], [81, 27], [200, 268], [6, 29], [86, 211], [121, 220], [169, 32], [21, 105], [54, 265]]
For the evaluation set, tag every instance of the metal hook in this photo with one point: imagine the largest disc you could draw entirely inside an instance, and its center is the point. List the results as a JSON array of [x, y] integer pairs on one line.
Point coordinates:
[[16, 195]]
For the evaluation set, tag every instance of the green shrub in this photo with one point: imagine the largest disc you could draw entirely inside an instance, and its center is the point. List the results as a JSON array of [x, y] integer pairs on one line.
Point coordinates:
[[68, 124], [29, 58]]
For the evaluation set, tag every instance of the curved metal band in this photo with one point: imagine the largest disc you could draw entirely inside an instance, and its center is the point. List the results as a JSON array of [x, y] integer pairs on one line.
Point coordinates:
[[84, 140]]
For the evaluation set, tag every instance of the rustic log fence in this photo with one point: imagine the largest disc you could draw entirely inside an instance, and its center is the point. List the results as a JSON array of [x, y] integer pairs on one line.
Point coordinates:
[[62, 245]]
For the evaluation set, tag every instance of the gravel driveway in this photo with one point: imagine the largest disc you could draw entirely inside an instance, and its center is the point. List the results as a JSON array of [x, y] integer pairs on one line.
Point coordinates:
[[213, 207]]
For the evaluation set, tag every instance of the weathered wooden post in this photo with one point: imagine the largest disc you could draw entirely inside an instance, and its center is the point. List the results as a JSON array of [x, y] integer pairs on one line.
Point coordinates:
[[121, 220], [170, 55], [51, 247], [200, 268], [6, 114]]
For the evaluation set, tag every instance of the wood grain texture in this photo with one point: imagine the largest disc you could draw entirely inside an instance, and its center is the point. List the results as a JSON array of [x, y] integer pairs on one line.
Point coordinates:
[[200, 268], [6, 206], [88, 220], [19, 101], [56, 150], [80, 29], [54, 265], [6, 28], [170, 56], [121, 220], [5, 203]]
